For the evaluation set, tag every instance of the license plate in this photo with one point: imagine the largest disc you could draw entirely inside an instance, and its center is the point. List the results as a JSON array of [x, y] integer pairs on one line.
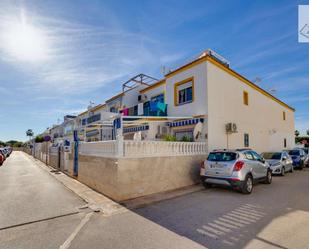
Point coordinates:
[[217, 166]]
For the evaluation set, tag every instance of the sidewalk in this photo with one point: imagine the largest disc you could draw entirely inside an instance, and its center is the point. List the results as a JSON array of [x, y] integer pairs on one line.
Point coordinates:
[[94, 200]]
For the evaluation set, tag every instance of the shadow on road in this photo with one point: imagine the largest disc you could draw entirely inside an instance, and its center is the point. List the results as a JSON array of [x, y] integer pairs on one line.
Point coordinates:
[[221, 218]]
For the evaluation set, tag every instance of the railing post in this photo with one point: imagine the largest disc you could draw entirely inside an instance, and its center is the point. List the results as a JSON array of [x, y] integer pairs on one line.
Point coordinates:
[[120, 146]]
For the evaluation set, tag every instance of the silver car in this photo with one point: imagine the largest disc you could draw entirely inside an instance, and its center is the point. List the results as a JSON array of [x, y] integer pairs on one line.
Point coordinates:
[[279, 162], [239, 169]]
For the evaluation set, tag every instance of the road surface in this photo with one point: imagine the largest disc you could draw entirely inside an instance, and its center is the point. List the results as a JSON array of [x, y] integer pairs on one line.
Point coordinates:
[[36, 211]]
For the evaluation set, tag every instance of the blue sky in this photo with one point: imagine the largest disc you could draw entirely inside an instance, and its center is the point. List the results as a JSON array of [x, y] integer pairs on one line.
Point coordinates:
[[81, 51]]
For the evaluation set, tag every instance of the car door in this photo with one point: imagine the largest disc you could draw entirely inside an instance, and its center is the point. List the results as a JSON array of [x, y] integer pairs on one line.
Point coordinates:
[[286, 161], [261, 165], [252, 164]]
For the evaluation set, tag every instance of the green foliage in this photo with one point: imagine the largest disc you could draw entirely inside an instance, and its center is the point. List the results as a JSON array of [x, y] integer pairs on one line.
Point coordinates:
[[12, 143], [39, 139], [297, 133], [186, 139], [170, 138], [302, 138]]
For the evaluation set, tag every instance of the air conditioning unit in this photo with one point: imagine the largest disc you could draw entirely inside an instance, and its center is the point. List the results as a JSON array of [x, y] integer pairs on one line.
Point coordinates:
[[231, 128], [142, 97]]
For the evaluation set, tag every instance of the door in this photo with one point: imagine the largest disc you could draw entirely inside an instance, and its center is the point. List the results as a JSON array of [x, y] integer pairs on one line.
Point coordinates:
[[252, 164], [262, 168]]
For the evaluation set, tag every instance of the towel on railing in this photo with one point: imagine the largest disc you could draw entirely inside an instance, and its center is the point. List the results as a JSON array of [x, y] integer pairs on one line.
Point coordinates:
[[161, 106]]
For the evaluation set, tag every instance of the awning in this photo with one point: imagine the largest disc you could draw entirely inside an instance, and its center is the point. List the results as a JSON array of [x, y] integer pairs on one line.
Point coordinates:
[[186, 122], [92, 133], [136, 129]]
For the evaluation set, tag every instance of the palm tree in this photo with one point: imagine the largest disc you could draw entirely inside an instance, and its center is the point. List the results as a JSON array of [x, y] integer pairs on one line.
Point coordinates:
[[296, 133], [29, 133]]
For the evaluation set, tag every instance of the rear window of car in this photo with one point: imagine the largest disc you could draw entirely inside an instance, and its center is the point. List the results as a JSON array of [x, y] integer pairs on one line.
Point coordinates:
[[294, 152], [222, 156], [276, 155]]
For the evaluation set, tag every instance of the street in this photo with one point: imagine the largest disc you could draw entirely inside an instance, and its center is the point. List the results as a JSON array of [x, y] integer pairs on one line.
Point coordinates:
[[37, 211]]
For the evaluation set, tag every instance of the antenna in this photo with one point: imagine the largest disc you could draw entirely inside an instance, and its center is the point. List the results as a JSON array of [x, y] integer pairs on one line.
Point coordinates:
[[257, 80]]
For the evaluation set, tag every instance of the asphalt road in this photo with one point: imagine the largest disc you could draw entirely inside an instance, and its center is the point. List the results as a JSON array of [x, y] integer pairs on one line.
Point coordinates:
[[273, 216]]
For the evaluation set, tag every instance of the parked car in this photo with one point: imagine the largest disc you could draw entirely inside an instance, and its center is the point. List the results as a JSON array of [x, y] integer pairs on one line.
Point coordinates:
[[239, 169], [4, 152], [306, 163], [2, 158], [298, 156], [279, 162]]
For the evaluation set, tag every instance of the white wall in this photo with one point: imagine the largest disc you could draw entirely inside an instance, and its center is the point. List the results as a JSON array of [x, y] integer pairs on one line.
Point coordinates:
[[199, 105], [262, 119]]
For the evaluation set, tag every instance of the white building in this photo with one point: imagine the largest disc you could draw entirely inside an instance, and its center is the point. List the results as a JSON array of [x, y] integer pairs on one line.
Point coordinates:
[[214, 104]]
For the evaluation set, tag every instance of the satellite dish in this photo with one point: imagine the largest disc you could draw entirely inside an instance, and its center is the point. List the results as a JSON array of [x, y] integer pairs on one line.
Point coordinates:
[[197, 130]]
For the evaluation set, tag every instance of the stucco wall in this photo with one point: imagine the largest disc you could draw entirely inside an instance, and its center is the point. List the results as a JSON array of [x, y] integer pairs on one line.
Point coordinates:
[[99, 173], [262, 119], [54, 160], [199, 104], [123, 179]]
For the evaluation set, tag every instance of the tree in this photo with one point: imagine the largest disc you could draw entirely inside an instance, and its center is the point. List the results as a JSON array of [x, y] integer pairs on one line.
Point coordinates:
[[29, 133], [296, 133], [307, 132], [39, 139]]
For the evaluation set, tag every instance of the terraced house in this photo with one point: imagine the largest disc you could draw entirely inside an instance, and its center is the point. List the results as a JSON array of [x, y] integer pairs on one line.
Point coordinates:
[[204, 100]]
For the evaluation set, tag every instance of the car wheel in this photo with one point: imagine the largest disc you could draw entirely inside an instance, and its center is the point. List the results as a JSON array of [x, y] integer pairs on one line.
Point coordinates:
[[248, 185], [282, 171], [207, 185], [269, 177]]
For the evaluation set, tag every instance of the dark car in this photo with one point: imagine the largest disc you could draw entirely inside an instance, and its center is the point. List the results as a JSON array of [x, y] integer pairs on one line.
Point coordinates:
[[298, 156]]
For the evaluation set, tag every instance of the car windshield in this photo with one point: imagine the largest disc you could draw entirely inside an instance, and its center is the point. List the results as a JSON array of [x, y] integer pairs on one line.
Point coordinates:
[[275, 156], [222, 156], [294, 152]]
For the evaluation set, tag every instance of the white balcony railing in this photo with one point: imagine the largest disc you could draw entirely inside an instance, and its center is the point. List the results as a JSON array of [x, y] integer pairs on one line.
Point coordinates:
[[137, 149], [162, 148], [100, 149]]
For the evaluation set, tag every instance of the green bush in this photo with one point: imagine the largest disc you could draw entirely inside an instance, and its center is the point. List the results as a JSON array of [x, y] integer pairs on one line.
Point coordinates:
[[170, 138], [39, 139], [186, 139]]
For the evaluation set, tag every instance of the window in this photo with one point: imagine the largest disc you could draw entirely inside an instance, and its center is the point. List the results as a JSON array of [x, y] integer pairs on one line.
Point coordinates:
[[283, 115], [222, 156], [272, 155], [248, 155], [184, 92], [246, 98], [284, 143], [246, 140], [113, 109], [184, 135], [256, 156], [158, 98]]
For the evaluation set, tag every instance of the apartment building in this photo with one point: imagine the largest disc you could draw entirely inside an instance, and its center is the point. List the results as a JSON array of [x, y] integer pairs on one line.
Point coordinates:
[[203, 100]]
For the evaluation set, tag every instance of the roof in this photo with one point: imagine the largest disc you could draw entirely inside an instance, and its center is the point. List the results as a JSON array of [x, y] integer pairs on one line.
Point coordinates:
[[114, 97], [157, 84], [230, 71], [92, 109]]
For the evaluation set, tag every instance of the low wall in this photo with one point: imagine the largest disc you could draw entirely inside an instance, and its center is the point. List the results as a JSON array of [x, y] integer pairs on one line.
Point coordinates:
[[54, 160], [127, 178]]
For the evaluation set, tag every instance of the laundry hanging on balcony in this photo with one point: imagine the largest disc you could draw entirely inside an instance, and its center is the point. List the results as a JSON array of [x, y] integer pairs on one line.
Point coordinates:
[[161, 106]]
